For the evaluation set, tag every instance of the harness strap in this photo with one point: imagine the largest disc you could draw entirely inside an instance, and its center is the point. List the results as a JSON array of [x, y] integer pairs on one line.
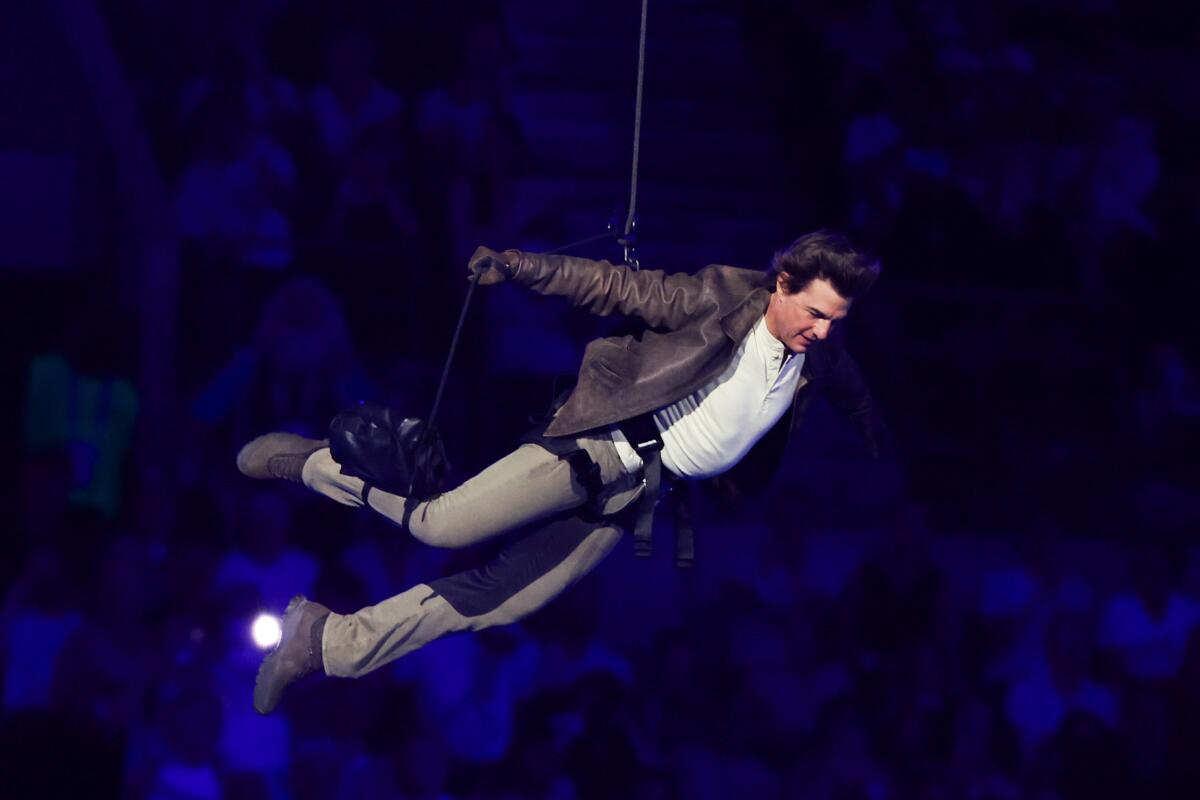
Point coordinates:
[[685, 533], [647, 442], [586, 471], [643, 436], [410, 505]]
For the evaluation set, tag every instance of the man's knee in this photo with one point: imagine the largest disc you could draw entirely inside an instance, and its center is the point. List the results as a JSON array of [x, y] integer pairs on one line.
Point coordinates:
[[435, 529]]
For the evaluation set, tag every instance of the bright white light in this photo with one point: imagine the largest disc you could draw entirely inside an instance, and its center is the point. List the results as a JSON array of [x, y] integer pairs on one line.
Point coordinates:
[[266, 631]]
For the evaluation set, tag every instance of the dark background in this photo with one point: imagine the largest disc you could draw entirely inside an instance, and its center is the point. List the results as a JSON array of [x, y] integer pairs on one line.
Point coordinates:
[[219, 219]]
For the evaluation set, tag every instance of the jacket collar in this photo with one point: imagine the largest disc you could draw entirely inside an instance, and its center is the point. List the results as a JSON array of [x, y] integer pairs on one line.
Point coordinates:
[[738, 322]]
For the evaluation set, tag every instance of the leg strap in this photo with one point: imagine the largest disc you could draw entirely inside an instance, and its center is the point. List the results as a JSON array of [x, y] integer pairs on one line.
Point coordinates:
[[410, 505], [586, 471], [685, 533]]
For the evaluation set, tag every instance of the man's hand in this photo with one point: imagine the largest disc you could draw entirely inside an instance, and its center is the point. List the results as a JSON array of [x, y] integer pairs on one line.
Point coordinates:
[[493, 267]]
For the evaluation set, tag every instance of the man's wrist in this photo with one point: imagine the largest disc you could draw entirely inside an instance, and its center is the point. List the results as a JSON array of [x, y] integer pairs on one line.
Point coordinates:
[[512, 263]]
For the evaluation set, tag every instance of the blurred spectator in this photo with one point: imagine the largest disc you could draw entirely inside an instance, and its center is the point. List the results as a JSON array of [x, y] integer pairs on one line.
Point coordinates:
[[874, 149], [900, 598], [230, 55], [109, 662], [602, 761], [845, 765], [974, 769], [1145, 629], [451, 120], [1144, 735], [39, 617], [489, 202], [1125, 170], [351, 102], [1038, 703], [267, 561], [371, 248], [566, 649], [1017, 601], [471, 687], [235, 191], [372, 204], [173, 757], [378, 559], [297, 372]]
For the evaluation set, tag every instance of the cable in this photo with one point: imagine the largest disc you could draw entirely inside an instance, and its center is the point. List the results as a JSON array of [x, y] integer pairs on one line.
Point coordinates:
[[462, 317], [626, 242]]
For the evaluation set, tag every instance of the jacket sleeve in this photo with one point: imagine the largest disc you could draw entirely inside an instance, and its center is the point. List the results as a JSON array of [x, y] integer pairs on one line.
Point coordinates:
[[659, 299], [837, 376]]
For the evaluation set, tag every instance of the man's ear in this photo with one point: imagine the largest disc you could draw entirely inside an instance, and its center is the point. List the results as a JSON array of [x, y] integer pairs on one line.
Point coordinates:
[[781, 285]]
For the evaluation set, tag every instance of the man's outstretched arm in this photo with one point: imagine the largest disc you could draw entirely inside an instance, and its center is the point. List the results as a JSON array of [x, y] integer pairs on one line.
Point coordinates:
[[659, 299]]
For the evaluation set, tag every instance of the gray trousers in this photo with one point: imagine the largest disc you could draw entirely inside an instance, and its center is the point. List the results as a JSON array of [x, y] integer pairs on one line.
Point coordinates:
[[530, 485]]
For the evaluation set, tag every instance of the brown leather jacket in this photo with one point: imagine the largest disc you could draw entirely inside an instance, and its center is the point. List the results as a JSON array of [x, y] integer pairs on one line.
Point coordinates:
[[694, 324]]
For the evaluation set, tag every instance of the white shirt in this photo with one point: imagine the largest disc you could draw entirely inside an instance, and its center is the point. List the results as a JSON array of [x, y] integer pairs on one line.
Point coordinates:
[[713, 428]]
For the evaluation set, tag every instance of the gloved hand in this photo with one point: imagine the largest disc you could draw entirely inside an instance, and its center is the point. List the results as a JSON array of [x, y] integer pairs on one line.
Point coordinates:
[[493, 267]]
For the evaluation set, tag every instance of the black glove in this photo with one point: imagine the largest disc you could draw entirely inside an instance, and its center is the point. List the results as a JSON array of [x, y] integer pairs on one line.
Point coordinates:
[[493, 267]]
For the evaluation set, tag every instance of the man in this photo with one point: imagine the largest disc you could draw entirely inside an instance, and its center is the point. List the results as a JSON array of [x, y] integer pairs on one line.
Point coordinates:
[[724, 357]]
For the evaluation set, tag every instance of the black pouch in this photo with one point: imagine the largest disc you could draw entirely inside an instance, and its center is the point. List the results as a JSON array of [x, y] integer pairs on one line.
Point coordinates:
[[401, 455]]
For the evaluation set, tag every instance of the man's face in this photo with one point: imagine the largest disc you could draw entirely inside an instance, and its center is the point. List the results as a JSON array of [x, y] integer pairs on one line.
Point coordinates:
[[800, 318]]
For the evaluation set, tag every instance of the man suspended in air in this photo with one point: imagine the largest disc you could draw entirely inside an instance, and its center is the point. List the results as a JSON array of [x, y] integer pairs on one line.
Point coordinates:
[[717, 375]]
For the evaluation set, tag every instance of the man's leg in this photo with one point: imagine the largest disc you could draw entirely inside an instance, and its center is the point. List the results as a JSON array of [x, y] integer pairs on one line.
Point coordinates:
[[525, 486], [529, 484], [525, 576]]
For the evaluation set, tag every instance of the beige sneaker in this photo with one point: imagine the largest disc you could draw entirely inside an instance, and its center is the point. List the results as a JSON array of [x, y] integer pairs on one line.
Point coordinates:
[[277, 455]]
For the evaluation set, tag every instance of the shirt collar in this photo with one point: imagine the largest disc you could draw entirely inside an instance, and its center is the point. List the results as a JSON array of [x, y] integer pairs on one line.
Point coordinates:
[[775, 357], [771, 348]]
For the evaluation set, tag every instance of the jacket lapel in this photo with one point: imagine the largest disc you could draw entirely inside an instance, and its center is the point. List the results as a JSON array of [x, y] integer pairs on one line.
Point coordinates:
[[738, 322]]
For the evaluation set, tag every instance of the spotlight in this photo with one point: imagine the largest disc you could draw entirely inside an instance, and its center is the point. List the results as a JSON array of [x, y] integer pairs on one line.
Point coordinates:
[[266, 631]]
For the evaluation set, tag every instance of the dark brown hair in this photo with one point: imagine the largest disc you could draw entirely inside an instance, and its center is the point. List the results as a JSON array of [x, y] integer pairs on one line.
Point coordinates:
[[828, 255]]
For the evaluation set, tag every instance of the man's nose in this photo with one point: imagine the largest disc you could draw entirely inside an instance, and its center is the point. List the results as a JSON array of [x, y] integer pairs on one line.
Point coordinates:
[[821, 329]]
